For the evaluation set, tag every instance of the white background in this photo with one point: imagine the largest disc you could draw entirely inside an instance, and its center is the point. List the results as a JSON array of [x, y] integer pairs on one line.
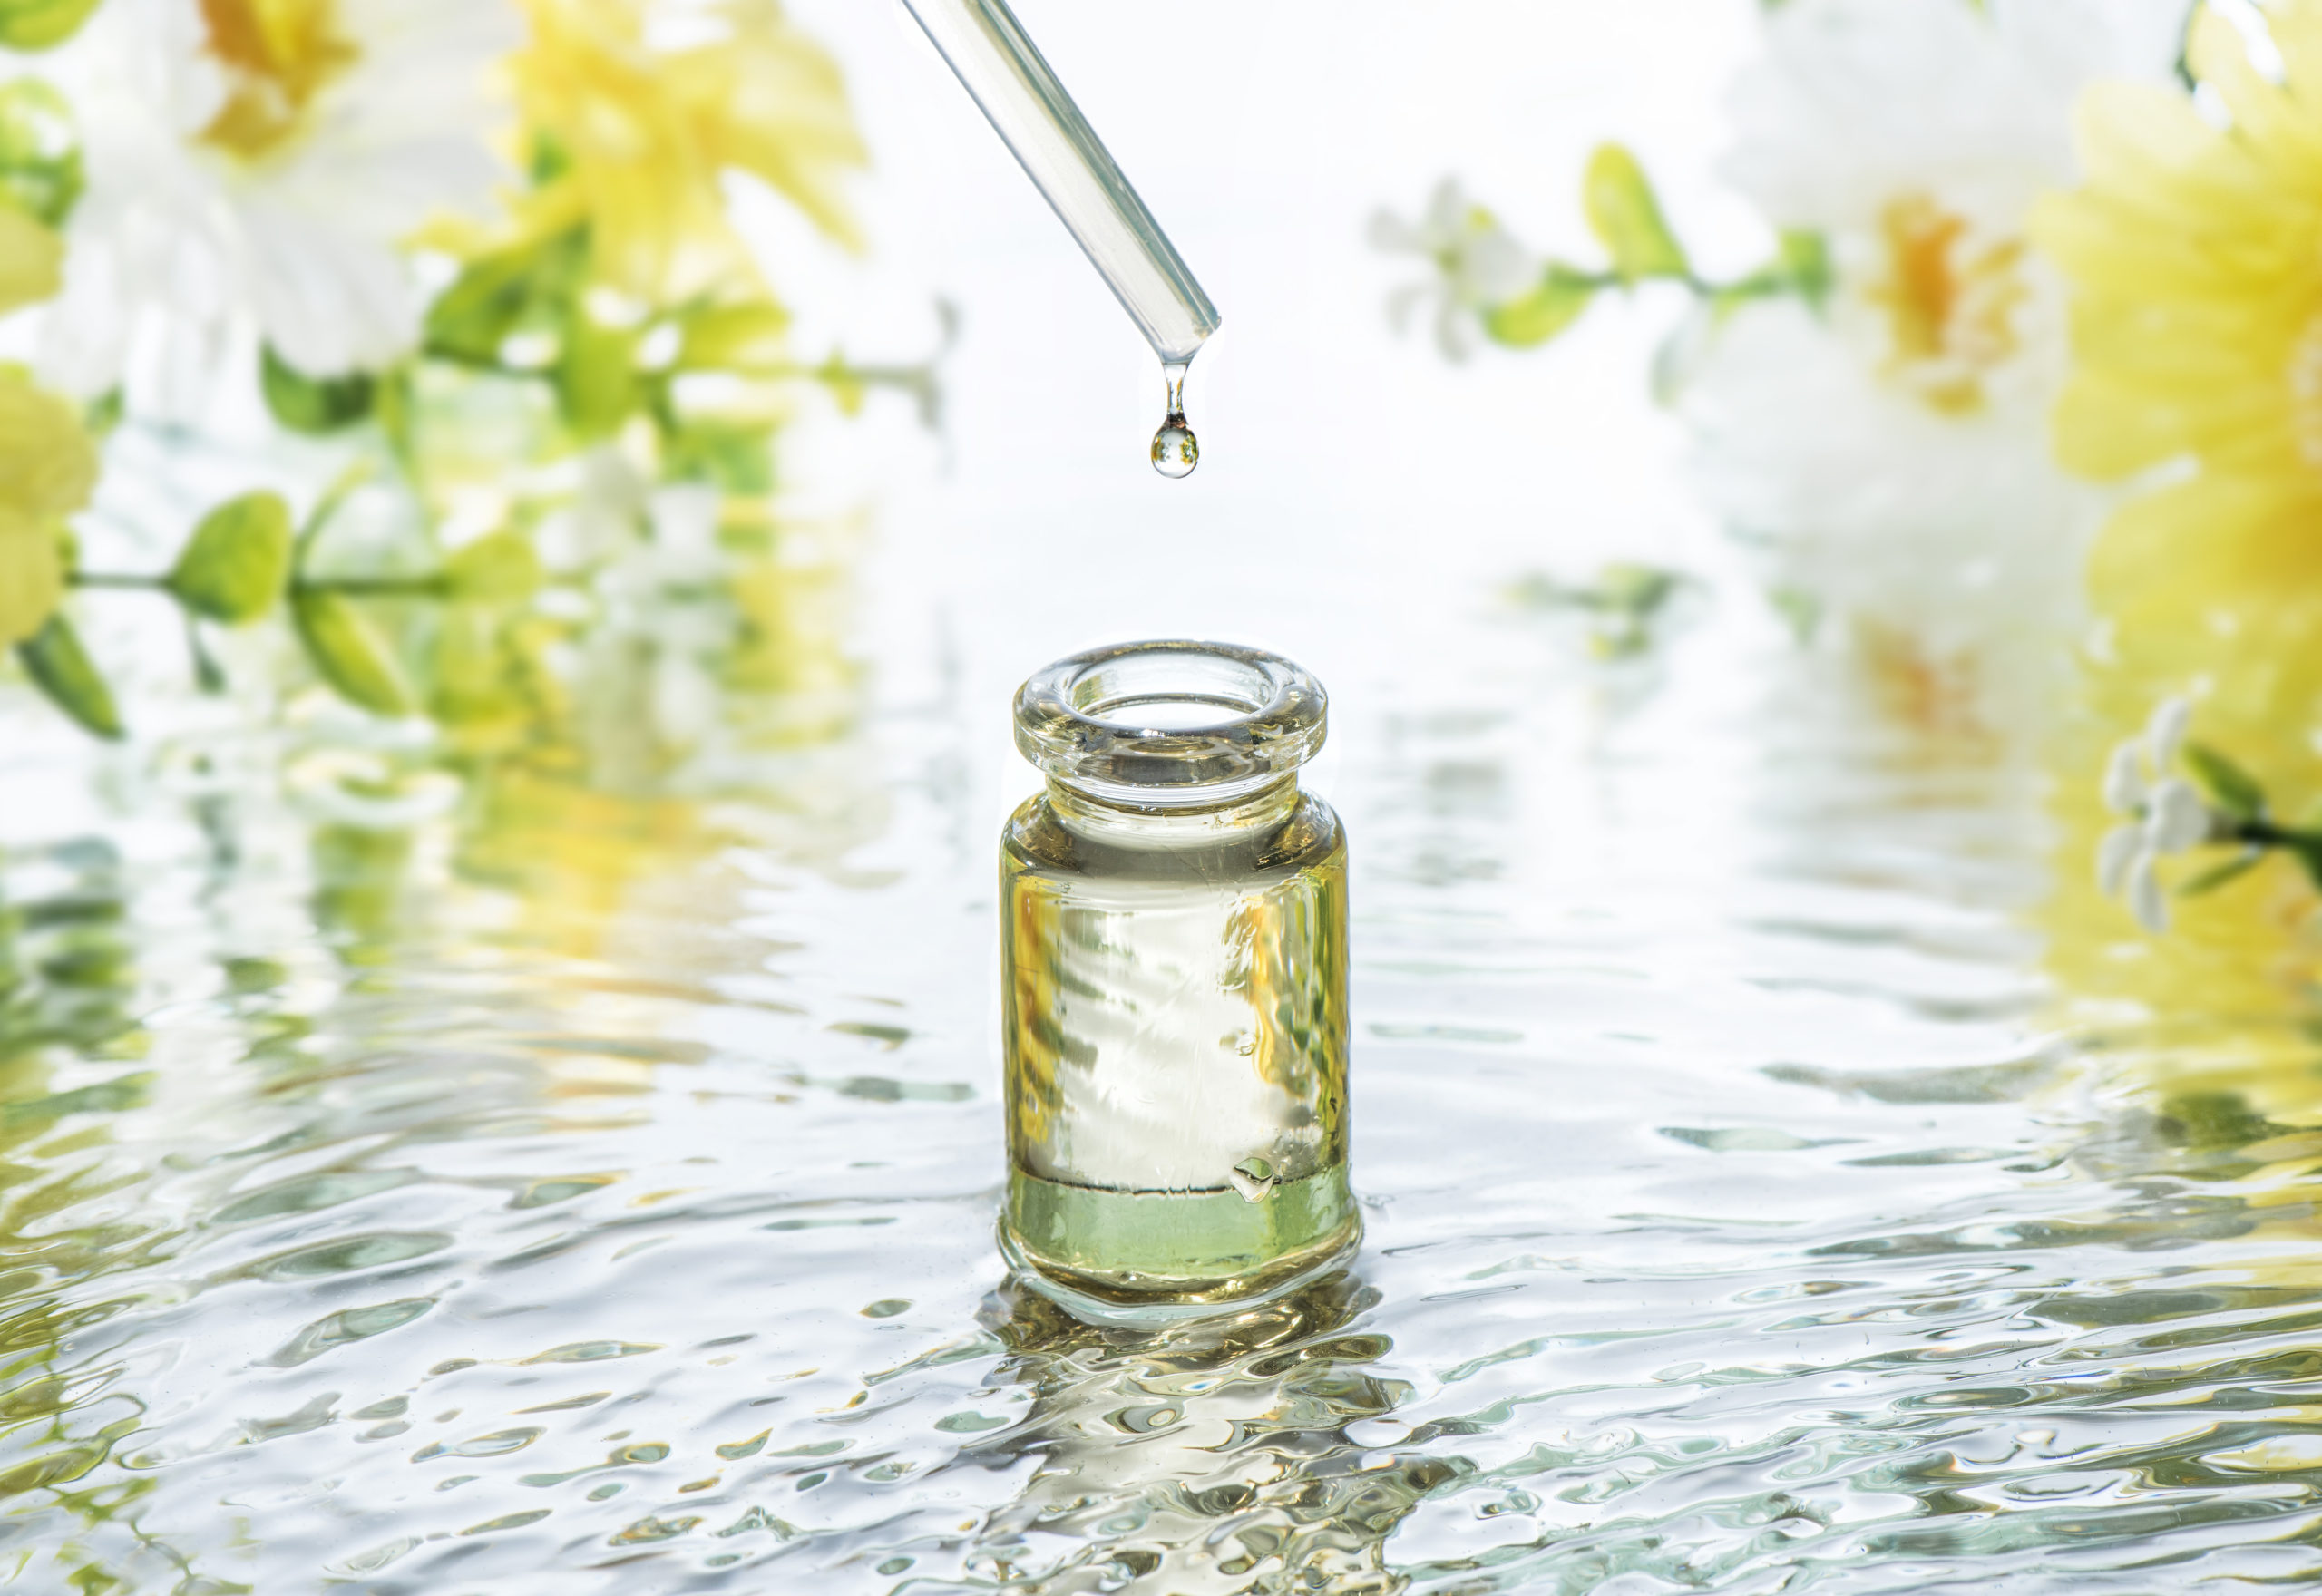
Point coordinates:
[[1359, 498]]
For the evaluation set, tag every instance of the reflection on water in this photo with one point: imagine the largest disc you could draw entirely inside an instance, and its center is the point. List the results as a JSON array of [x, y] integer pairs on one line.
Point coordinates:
[[1208, 1458], [570, 1193]]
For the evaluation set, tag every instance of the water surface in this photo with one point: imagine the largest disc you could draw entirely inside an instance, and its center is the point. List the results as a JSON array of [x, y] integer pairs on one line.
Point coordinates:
[[578, 1194]]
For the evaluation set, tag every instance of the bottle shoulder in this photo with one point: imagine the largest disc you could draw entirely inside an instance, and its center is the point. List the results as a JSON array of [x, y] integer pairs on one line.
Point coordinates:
[[1310, 837]]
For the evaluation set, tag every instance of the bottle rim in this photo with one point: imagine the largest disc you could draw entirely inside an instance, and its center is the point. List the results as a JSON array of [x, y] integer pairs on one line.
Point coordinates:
[[1170, 720]]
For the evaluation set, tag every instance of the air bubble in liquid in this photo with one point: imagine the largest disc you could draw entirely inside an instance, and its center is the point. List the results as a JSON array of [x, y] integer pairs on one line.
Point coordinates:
[[1253, 1178]]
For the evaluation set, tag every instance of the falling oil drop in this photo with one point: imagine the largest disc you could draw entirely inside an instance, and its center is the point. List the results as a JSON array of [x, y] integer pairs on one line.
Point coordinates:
[[1175, 451]]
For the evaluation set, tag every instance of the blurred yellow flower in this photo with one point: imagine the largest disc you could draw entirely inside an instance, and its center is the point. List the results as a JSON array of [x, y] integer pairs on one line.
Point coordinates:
[[278, 55], [2194, 252], [634, 137], [47, 466]]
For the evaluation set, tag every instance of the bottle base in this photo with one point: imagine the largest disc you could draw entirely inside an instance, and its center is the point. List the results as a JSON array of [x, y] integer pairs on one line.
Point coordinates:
[[1153, 1258]]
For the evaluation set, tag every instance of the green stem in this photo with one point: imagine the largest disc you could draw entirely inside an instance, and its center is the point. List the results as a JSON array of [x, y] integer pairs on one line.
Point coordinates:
[[2304, 845], [870, 376], [427, 587], [2261, 832]]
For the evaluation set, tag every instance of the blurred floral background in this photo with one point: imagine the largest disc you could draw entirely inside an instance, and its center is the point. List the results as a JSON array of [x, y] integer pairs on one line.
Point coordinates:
[[518, 521]]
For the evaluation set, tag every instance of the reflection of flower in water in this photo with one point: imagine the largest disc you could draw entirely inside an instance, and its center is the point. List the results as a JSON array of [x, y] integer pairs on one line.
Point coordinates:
[[650, 670], [351, 787], [1478, 264], [2191, 254], [667, 597], [1888, 446], [259, 163]]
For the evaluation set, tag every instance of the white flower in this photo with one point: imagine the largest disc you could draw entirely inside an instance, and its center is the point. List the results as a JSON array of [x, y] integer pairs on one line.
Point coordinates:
[[1479, 264], [1889, 448], [2166, 814], [1859, 102], [256, 165]]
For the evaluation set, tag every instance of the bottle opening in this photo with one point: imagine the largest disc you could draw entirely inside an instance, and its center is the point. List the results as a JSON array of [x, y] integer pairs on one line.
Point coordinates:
[[1167, 721], [1172, 690]]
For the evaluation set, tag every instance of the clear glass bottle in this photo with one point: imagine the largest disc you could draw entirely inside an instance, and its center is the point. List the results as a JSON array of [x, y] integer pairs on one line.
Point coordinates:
[[1173, 939]]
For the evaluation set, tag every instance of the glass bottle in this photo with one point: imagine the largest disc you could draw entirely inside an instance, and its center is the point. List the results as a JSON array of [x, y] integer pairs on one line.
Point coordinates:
[[1173, 972]]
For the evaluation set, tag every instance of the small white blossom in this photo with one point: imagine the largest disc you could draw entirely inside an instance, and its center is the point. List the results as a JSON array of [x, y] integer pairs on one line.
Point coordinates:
[[2119, 850], [1479, 264], [2124, 786], [2166, 814], [2166, 731], [2176, 819], [2145, 899]]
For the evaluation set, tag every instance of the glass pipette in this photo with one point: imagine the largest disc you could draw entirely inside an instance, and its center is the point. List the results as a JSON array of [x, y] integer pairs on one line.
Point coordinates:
[[996, 60]]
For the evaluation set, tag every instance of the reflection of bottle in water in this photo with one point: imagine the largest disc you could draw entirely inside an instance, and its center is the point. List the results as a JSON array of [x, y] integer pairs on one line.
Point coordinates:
[[1207, 1456], [1174, 944]]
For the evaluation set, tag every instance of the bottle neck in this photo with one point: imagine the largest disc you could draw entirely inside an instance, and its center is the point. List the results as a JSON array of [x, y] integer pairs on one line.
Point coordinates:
[[1231, 818]]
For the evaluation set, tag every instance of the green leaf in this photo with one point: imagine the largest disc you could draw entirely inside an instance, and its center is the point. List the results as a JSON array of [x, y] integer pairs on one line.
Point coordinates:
[[36, 25], [40, 156], [2228, 785], [499, 567], [737, 457], [509, 291], [352, 654], [237, 561], [472, 318], [393, 406], [1627, 217], [314, 405], [1806, 265], [209, 676], [2218, 875], [1802, 609], [551, 160], [2305, 847], [473, 680], [32, 260], [60, 667], [2213, 1120], [844, 384], [746, 337], [596, 376], [1553, 306]]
